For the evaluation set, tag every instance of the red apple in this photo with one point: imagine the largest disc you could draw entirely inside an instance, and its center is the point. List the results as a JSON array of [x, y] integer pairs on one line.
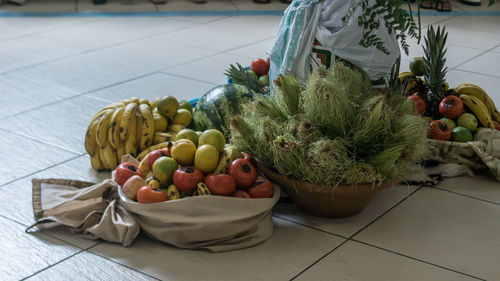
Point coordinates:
[[155, 155]]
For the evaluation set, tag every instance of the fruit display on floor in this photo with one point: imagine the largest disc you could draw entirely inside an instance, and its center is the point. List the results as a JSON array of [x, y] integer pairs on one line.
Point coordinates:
[[132, 126], [454, 114], [192, 165]]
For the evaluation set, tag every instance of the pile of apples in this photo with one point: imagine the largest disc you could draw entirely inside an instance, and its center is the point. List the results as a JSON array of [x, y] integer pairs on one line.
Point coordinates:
[[239, 180]]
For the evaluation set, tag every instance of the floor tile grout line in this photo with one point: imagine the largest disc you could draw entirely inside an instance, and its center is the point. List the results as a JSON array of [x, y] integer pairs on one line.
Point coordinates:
[[39, 171], [52, 265], [37, 140], [473, 72], [86, 93], [465, 195], [479, 55], [416, 259], [80, 95], [90, 51], [318, 260], [311, 227], [127, 266], [53, 29], [357, 232]]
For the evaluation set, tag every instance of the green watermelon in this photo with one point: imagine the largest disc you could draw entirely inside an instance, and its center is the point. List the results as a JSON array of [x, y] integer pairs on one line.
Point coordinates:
[[216, 108]]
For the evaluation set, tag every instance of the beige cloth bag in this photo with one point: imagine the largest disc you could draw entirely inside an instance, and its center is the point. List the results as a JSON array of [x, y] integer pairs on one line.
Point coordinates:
[[216, 223]]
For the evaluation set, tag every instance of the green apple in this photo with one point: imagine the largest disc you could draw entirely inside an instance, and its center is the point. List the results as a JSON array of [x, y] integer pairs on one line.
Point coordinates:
[[253, 74], [417, 66], [467, 120], [187, 134], [264, 80], [186, 105], [163, 169], [461, 134], [450, 122]]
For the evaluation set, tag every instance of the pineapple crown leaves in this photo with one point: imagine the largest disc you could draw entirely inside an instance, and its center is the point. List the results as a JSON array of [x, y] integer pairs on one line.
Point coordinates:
[[435, 57], [240, 75], [396, 19]]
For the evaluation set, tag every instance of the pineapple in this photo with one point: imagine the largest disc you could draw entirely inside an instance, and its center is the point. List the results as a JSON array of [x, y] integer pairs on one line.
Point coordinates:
[[435, 70], [239, 75]]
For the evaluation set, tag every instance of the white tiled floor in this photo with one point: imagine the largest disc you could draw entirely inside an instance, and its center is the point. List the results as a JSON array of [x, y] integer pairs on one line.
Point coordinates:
[[56, 72]]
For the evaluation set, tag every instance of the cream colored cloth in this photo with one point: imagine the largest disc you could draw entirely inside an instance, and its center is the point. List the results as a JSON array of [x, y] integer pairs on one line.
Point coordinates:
[[456, 159], [216, 223]]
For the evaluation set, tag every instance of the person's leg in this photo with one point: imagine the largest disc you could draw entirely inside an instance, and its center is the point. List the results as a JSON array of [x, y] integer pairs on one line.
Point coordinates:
[[428, 4], [443, 6]]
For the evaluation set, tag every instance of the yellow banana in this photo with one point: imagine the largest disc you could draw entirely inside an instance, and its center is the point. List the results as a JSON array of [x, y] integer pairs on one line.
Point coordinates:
[[138, 125], [479, 110], [201, 189], [130, 142], [173, 192], [95, 161], [131, 100], [144, 101], [143, 166], [148, 126], [154, 183], [404, 75], [154, 103], [225, 159], [128, 116], [102, 128], [151, 148], [90, 139], [114, 128], [120, 151], [159, 137], [108, 157], [478, 92]]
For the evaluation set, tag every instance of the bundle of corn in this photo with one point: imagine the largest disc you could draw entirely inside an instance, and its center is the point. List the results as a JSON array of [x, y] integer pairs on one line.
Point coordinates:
[[335, 129]]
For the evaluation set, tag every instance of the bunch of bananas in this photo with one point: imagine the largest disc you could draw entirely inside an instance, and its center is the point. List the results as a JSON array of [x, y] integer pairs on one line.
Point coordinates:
[[411, 83], [127, 127], [118, 129], [478, 101]]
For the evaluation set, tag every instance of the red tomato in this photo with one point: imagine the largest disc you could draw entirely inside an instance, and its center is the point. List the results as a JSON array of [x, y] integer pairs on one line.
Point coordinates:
[[241, 194], [261, 189], [220, 184], [250, 158], [147, 194], [451, 107], [259, 66], [155, 154], [186, 179], [418, 103], [126, 170], [440, 130], [268, 61], [243, 173]]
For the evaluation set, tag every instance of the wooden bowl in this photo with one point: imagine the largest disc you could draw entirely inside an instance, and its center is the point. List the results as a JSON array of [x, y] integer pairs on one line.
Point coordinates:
[[327, 200]]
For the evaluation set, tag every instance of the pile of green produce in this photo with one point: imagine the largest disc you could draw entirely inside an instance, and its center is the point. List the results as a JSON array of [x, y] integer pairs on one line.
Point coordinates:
[[335, 129]]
